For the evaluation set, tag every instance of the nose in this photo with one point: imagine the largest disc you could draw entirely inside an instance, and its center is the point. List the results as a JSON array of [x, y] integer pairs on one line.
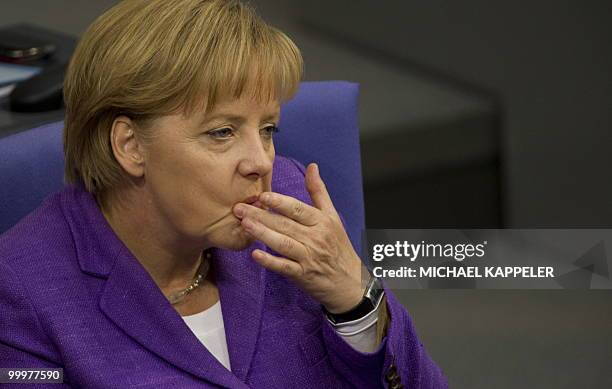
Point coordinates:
[[258, 158]]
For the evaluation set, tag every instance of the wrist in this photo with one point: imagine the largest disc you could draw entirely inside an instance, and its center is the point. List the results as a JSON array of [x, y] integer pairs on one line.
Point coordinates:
[[370, 299], [351, 292], [349, 302]]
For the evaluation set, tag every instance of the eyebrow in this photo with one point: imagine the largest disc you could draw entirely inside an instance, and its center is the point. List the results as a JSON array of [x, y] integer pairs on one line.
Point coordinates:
[[234, 118]]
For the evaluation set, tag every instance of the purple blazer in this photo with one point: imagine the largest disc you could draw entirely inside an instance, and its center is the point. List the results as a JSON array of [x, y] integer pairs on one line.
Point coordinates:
[[73, 296]]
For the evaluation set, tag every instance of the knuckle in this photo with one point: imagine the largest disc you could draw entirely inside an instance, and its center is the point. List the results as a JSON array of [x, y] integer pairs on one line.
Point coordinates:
[[298, 209], [286, 244], [286, 268]]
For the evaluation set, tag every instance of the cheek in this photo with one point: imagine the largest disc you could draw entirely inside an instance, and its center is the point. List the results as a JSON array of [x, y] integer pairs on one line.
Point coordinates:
[[172, 165], [214, 183], [272, 151], [268, 179]]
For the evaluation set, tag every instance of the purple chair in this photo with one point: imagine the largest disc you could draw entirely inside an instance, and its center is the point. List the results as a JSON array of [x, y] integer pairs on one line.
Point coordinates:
[[318, 125]]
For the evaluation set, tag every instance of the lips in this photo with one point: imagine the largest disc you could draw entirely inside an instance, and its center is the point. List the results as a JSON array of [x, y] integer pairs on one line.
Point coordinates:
[[251, 199], [254, 201]]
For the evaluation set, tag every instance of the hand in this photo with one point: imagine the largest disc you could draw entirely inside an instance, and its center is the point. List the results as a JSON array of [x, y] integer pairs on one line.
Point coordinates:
[[316, 252]]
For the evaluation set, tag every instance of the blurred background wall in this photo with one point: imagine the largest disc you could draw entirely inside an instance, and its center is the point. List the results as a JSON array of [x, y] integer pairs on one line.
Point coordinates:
[[545, 66], [473, 114]]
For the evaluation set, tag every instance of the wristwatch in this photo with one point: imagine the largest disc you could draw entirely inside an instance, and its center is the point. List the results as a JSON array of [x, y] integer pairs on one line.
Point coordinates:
[[372, 296]]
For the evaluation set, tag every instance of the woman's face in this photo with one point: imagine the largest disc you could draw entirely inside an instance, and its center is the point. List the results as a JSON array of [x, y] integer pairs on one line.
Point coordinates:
[[198, 168]]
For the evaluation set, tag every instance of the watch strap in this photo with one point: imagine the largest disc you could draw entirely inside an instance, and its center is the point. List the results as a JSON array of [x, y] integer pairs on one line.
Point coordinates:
[[371, 298]]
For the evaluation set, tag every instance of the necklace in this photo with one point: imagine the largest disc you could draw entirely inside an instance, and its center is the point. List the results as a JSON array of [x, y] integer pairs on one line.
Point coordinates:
[[201, 274]]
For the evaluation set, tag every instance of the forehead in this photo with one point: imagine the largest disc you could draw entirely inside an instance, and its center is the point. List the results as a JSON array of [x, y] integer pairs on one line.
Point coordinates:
[[241, 108]]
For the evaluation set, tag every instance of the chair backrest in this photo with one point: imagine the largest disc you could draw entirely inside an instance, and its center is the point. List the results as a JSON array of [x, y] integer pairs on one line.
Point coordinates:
[[318, 125]]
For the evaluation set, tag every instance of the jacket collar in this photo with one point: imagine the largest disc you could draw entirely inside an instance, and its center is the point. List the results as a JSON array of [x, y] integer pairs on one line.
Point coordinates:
[[132, 300]]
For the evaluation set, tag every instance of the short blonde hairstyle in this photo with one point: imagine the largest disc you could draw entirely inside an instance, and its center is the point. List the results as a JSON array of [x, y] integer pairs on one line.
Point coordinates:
[[149, 58]]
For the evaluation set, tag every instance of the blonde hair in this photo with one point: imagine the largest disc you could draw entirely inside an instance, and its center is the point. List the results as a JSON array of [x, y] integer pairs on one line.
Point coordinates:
[[149, 58]]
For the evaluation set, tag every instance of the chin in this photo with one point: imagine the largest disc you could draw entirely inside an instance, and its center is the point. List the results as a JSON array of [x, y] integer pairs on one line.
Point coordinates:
[[238, 239], [240, 245]]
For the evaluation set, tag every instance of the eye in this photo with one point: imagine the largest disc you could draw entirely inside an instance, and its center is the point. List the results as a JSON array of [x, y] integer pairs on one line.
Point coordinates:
[[269, 131], [221, 133]]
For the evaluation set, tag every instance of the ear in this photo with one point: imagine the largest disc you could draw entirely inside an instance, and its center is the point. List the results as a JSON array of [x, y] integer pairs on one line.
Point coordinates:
[[126, 147]]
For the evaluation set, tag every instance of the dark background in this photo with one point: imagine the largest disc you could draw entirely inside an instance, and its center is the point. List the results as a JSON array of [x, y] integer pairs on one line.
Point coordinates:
[[472, 114]]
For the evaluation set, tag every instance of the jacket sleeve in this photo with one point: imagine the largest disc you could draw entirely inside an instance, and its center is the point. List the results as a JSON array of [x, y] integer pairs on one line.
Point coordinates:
[[399, 359], [23, 342]]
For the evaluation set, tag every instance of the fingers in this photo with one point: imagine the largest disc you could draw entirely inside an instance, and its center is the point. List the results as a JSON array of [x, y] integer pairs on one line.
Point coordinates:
[[276, 222], [299, 211], [283, 266], [291, 208], [281, 243], [317, 190]]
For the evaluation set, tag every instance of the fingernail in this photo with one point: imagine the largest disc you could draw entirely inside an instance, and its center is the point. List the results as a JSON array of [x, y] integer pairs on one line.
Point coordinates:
[[239, 210], [265, 197]]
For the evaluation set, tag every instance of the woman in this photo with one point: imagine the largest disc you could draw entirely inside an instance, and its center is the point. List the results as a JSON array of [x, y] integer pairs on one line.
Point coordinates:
[[185, 252]]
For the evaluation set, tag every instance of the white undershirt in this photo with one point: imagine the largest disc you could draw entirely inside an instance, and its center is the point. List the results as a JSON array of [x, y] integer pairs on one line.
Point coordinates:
[[208, 327]]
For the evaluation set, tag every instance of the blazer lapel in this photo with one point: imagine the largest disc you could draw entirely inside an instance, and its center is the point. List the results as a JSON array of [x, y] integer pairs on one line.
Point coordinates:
[[135, 304], [241, 287]]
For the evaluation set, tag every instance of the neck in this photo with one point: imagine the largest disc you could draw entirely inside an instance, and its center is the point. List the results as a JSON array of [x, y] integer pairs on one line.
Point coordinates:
[[171, 261]]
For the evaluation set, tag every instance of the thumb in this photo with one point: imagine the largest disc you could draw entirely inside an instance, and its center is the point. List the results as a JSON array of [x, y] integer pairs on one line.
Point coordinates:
[[317, 189]]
